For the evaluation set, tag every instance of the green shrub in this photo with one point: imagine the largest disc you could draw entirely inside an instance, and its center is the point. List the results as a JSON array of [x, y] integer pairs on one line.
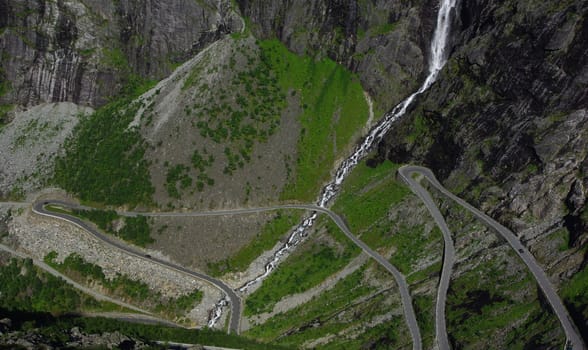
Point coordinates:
[[122, 285], [135, 230], [24, 287], [104, 160], [269, 235], [102, 218], [304, 269]]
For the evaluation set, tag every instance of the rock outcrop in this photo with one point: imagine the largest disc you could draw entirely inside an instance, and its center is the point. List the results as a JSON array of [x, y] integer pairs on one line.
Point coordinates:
[[86, 51], [384, 41], [37, 338], [505, 126]]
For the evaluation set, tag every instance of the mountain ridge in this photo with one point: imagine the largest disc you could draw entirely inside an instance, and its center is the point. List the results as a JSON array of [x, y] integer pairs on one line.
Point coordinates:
[[504, 127]]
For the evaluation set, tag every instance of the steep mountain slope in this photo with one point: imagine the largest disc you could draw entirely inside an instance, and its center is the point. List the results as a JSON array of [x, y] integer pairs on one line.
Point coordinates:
[[30, 144], [261, 117], [385, 41], [86, 51], [505, 127], [240, 115]]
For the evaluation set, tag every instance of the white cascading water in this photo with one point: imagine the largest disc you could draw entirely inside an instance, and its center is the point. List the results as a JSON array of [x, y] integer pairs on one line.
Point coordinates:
[[438, 59], [217, 312]]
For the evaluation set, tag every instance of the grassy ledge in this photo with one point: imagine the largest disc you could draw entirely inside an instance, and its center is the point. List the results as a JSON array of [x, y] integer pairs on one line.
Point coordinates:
[[346, 307], [334, 109], [368, 193], [309, 265], [279, 324], [270, 234]]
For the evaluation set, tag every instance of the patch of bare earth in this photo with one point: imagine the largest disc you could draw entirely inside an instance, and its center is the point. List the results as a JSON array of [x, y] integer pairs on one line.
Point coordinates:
[[196, 241], [169, 123]]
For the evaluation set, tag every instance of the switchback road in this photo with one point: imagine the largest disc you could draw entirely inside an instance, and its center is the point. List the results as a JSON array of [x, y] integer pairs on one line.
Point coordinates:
[[448, 257], [235, 316], [561, 312]]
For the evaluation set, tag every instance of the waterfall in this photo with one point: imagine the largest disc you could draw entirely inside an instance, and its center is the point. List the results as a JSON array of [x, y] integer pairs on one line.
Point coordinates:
[[437, 60], [217, 311]]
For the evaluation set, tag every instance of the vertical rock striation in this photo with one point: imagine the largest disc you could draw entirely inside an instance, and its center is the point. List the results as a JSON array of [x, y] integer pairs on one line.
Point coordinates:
[[86, 51]]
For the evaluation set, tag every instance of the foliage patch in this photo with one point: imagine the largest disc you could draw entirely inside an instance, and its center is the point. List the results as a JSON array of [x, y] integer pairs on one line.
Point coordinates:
[[104, 160], [123, 286]]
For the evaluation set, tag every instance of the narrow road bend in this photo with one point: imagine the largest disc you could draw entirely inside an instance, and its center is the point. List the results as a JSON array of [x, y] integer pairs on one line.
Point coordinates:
[[448, 257], [406, 298], [235, 316], [572, 334]]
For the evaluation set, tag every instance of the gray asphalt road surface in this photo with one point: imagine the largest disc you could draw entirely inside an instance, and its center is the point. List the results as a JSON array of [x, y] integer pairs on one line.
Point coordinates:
[[400, 280], [448, 256], [572, 334], [235, 316]]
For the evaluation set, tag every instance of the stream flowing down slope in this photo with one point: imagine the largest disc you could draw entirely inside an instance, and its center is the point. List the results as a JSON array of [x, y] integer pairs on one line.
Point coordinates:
[[439, 55]]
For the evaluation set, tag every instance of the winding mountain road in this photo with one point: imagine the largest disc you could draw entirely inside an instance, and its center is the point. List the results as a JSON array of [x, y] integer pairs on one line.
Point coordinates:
[[572, 334], [236, 313], [406, 298], [448, 256], [406, 173], [235, 316]]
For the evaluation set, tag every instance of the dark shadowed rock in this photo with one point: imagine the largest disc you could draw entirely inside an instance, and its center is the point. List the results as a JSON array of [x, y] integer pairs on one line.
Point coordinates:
[[85, 52], [509, 112]]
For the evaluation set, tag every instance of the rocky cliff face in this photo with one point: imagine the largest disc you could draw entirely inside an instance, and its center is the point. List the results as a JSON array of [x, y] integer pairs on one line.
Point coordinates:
[[509, 110], [505, 126], [73, 338], [384, 41], [506, 123], [86, 51], [510, 104]]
